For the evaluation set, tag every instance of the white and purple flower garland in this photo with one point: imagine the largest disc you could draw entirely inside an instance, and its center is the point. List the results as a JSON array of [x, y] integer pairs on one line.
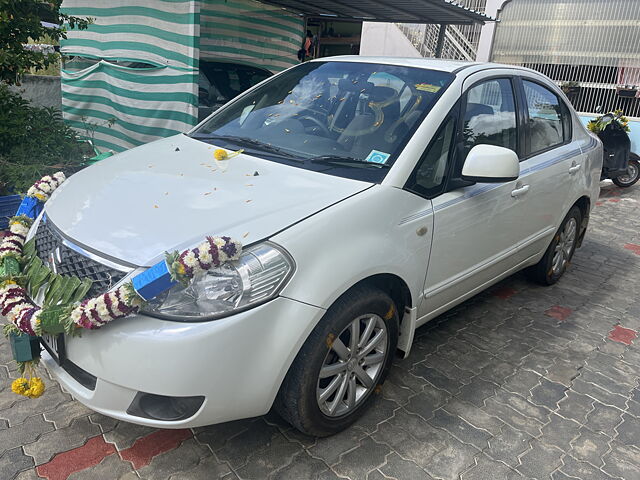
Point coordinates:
[[95, 312], [44, 187]]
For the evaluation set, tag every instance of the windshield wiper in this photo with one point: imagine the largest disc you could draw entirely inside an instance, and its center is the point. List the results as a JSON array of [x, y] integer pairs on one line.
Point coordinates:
[[347, 160], [246, 141]]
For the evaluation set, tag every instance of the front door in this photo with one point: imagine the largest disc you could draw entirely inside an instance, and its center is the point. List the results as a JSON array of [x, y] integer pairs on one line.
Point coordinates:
[[474, 240]]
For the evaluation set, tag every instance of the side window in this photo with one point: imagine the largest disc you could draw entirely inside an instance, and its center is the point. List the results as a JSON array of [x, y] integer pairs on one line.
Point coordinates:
[[429, 174], [549, 123], [490, 116]]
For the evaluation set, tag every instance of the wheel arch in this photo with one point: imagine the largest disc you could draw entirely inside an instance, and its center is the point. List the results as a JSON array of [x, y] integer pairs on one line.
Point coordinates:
[[584, 204], [391, 284]]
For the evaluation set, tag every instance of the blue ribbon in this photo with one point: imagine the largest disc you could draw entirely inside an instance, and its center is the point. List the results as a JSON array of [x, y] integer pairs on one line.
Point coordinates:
[[30, 207], [154, 281]]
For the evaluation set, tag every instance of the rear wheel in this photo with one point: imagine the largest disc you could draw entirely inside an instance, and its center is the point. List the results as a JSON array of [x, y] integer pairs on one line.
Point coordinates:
[[558, 256], [632, 175], [340, 366]]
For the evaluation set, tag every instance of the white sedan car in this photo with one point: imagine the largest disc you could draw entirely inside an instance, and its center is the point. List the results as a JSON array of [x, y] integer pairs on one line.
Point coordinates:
[[372, 194]]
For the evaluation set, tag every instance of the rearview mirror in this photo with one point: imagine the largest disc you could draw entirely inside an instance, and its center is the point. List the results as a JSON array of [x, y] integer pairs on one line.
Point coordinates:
[[491, 164]]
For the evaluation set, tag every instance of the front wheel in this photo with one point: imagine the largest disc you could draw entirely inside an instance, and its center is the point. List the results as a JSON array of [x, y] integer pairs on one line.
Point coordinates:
[[557, 257], [632, 175], [340, 366]]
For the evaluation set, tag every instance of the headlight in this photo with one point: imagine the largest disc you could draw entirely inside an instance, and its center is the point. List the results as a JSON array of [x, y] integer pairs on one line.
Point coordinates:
[[256, 277]]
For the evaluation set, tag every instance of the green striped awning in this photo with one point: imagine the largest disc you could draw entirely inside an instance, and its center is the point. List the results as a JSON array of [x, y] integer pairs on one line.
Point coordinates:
[[250, 32], [126, 107], [122, 107]]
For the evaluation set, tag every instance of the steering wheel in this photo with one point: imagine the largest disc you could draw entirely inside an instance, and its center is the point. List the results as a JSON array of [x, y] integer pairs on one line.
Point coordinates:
[[378, 119], [317, 122]]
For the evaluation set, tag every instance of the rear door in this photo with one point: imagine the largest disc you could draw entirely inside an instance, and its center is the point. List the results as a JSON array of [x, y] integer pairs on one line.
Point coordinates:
[[549, 164]]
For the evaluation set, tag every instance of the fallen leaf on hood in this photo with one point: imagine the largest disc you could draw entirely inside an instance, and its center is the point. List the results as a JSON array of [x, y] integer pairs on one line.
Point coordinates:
[[208, 193], [166, 193], [245, 235], [156, 206], [247, 201], [249, 185]]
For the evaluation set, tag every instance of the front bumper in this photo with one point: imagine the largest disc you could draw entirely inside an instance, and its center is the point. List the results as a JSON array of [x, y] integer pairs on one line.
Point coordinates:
[[236, 363]]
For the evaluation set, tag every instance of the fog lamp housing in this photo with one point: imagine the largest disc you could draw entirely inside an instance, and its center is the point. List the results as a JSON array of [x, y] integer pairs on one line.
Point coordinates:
[[164, 408]]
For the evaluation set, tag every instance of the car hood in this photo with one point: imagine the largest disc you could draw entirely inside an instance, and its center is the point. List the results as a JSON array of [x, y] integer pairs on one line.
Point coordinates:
[[170, 194]]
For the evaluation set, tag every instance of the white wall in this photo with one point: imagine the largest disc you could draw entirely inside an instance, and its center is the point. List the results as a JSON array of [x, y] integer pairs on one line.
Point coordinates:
[[41, 90], [385, 39], [488, 30]]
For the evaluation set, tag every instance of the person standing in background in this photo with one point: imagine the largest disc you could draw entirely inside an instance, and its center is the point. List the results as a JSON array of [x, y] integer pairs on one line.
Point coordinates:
[[307, 45]]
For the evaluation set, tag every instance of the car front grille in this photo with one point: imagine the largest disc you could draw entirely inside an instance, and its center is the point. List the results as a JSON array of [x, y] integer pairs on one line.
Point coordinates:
[[64, 260]]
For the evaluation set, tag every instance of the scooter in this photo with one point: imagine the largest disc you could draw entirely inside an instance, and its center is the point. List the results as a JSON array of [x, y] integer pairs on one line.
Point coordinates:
[[619, 164]]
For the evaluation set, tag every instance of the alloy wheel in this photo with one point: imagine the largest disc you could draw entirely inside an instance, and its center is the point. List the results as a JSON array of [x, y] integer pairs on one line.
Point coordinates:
[[352, 366], [564, 247]]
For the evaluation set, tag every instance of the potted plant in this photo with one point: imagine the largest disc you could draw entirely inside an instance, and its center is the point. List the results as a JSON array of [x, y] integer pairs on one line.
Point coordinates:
[[571, 89], [627, 91]]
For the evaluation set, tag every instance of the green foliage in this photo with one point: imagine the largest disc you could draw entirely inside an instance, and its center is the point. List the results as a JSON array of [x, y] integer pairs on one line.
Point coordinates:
[[618, 120], [61, 289], [19, 23], [34, 142]]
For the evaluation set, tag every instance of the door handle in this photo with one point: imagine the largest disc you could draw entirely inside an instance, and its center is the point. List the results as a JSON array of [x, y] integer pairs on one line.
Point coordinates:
[[574, 168], [520, 191]]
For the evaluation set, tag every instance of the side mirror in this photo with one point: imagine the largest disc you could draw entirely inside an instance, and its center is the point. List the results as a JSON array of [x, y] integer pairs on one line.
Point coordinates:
[[491, 164]]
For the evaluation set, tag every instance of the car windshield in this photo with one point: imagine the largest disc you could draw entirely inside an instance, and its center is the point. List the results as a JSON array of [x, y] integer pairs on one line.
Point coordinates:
[[349, 119]]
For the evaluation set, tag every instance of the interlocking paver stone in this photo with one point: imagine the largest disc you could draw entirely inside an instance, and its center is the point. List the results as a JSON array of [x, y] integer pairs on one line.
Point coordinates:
[[29, 431], [61, 440], [522, 405], [560, 431], [622, 461], [604, 418], [302, 465], [508, 445], [477, 391], [486, 468], [366, 457], [111, 467], [427, 402], [65, 413], [590, 447], [411, 437], [52, 398], [629, 431], [460, 429], [277, 454], [456, 457], [540, 461], [548, 394], [397, 467], [14, 461], [239, 448], [511, 417], [575, 406], [475, 416], [184, 458], [581, 470], [330, 449]]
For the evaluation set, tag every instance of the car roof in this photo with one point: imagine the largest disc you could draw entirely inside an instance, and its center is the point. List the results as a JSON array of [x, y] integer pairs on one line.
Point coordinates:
[[452, 66]]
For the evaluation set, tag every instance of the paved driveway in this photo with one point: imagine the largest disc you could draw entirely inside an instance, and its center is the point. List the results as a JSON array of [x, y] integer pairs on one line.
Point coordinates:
[[520, 382]]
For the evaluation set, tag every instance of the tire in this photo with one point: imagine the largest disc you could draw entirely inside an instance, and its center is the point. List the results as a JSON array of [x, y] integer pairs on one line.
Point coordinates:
[[300, 401], [632, 175], [550, 268]]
